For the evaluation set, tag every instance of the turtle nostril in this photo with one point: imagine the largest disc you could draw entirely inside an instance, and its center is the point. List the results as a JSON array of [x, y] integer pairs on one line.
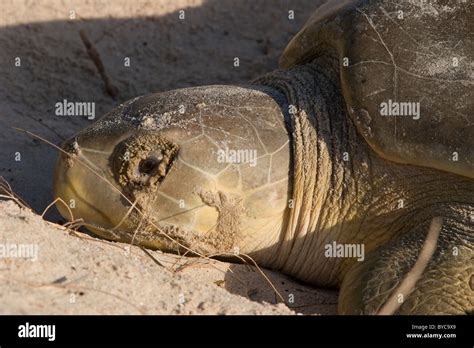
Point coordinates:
[[71, 146], [149, 166], [70, 149]]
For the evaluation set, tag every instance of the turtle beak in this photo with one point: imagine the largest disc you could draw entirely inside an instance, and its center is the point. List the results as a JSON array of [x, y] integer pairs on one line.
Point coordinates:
[[82, 189]]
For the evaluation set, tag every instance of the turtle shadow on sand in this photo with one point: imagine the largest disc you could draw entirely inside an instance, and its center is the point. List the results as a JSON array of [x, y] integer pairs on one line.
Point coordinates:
[[250, 283]]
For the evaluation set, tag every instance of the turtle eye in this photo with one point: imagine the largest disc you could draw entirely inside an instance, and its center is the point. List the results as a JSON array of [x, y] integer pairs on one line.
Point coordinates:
[[155, 163], [149, 166], [142, 161]]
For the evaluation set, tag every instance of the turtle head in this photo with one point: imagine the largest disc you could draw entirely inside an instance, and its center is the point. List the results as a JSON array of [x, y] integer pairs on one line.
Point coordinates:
[[201, 168]]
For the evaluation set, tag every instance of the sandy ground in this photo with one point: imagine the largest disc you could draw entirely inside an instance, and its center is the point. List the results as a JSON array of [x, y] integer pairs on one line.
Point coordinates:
[[76, 273], [49, 270]]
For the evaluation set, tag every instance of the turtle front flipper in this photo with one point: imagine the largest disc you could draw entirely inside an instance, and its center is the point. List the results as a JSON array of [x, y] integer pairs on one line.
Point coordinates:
[[388, 280]]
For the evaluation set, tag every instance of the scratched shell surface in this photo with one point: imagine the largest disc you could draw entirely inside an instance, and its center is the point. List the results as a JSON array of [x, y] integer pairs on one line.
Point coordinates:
[[405, 52]]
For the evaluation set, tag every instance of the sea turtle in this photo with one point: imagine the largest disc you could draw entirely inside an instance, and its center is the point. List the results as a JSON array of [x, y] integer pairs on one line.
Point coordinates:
[[330, 169]]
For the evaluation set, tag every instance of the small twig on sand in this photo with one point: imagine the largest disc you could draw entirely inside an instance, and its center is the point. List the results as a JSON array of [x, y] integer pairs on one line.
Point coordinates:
[[155, 260], [95, 57], [6, 192]]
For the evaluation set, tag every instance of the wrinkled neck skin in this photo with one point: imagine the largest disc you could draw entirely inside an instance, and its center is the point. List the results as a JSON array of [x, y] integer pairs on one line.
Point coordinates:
[[342, 191]]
